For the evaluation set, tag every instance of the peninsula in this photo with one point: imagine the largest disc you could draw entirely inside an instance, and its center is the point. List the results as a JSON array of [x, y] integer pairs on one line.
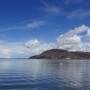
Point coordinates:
[[62, 54]]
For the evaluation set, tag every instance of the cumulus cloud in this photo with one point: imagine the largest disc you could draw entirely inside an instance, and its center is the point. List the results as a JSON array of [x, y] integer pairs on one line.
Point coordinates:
[[37, 47], [71, 41], [77, 30], [23, 50], [88, 33]]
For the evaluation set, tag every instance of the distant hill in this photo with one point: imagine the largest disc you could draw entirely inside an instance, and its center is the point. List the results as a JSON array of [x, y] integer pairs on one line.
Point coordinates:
[[61, 54]]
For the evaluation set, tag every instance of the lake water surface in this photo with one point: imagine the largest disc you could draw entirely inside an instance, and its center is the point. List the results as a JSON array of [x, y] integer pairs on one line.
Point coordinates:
[[30, 74]]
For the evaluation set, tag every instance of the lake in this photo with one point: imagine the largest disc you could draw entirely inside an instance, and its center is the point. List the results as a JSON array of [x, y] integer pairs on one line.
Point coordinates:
[[33, 74]]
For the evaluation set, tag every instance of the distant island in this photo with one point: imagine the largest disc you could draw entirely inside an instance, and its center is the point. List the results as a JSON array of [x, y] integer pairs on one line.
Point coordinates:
[[62, 54]]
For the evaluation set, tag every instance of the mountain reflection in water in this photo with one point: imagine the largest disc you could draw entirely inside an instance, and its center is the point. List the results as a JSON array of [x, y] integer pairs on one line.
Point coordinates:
[[28, 74]]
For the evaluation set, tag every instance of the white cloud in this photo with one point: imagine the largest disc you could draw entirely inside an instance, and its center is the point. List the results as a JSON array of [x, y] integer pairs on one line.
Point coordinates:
[[5, 52], [57, 9], [70, 43], [88, 33], [50, 9], [33, 44], [37, 47], [12, 50], [77, 30], [72, 40], [21, 49], [26, 26], [35, 24], [79, 13]]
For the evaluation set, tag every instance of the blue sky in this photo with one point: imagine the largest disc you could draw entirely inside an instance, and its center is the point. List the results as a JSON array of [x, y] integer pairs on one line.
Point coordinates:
[[57, 16], [44, 20]]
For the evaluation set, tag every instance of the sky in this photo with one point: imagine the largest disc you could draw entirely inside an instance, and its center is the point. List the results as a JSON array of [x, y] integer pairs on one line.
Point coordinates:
[[29, 27]]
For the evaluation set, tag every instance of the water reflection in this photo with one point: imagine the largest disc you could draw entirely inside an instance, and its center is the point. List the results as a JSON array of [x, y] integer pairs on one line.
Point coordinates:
[[44, 74]]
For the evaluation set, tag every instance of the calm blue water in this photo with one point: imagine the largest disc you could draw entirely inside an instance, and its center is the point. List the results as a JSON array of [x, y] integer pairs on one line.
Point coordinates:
[[27, 74]]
